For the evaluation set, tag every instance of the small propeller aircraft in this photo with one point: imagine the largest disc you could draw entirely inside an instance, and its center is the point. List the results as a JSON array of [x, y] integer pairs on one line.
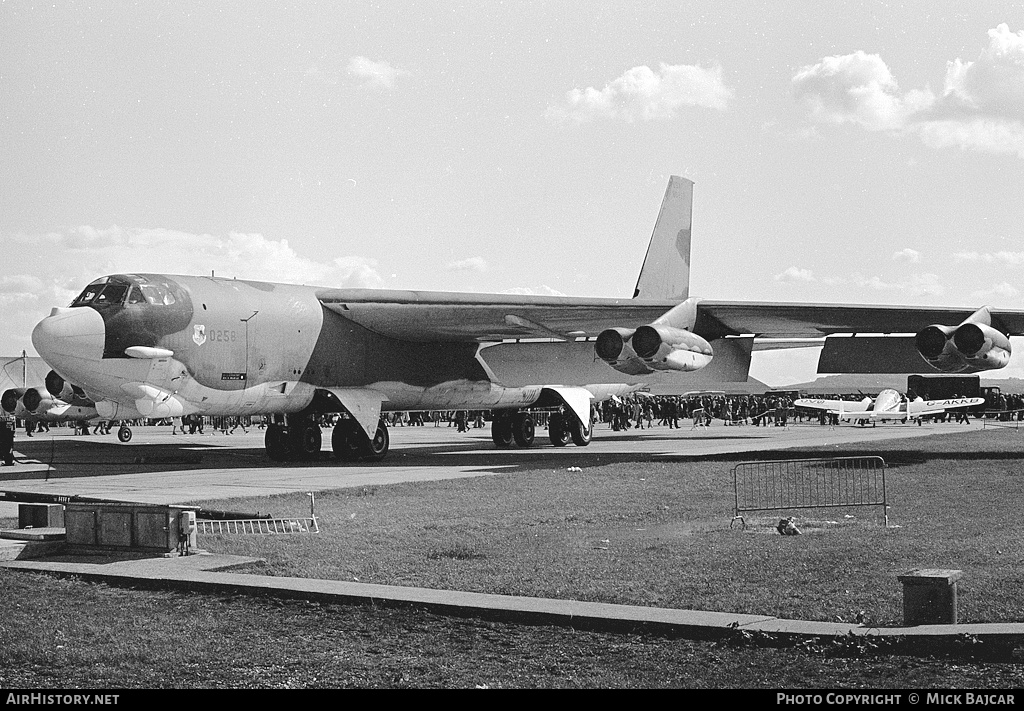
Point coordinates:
[[889, 405]]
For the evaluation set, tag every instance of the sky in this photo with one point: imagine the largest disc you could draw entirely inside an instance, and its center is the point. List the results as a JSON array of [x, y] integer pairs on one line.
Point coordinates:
[[842, 152]]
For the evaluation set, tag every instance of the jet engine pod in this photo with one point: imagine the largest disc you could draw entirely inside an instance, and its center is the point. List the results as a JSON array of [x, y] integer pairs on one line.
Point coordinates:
[[55, 384], [9, 400], [983, 347], [933, 343], [973, 345], [669, 348], [37, 401], [613, 345], [62, 389], [613, 348], [32, 399]]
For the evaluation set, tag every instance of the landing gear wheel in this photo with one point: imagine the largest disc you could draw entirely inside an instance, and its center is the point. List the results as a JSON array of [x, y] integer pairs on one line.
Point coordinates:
[[345, 440], [124, 434], [276, 442], [501, 432], [523, 429], [558, 432], [580, 433], [307, 440], [377, 447]]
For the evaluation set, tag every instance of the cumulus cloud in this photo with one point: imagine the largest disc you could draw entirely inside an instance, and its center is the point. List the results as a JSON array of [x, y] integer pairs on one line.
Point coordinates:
[[531, 291], [76, 256], [799, 275], [796, 274], [1001, 292], [980, 108], [1004, 258], [20, 284], [993, 85], [84, 253], [908, 285], [641, 94], [907, 255], [856, 88], [912, 285], [472, 264], [375, 74]]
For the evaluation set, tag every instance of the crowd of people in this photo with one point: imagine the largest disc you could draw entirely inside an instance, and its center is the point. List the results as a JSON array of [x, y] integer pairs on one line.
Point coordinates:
[[636, 411]]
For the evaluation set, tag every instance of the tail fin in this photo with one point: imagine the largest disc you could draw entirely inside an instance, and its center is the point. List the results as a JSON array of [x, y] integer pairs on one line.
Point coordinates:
[[666, 270]]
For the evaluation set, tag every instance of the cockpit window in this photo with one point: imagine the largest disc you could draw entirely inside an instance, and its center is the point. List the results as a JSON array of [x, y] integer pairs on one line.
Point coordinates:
[[112, 294], [135, 296], [130, 288], [87, 296], [158, 294]]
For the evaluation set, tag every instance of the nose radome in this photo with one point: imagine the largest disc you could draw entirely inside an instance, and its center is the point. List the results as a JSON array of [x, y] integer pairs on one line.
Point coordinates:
[[69, 332]]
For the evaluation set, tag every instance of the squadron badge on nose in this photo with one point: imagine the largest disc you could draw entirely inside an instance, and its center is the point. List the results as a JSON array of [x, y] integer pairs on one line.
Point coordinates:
[[199, 334]]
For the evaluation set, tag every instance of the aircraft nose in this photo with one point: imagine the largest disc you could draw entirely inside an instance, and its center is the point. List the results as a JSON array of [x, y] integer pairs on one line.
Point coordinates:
[[69, 333]]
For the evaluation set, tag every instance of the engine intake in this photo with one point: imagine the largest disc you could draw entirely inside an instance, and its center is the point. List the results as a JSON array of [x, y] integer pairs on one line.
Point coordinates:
[[32, 399], [10, 399]]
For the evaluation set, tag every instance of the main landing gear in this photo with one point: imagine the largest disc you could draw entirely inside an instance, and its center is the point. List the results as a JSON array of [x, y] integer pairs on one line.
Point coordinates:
[[351, 443], [519, 428], [124, 433], [300, 439]]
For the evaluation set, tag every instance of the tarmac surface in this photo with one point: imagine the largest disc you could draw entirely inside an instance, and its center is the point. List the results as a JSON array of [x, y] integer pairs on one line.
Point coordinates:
[[158, 467]]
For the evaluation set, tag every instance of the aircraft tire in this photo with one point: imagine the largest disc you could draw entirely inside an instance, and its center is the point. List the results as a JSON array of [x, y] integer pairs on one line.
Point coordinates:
[[124, 434], [377, 447], [524, 429], [306, 439], [345, 442], [276, 443], [580, 433], [501, 432], [558, 432]]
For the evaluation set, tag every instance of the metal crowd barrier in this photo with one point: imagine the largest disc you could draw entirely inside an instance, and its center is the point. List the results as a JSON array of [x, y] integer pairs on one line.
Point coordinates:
[[809, 483], [264, 526]]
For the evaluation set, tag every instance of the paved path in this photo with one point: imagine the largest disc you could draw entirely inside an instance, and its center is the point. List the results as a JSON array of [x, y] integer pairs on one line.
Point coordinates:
[[205, 572], [157, 467]]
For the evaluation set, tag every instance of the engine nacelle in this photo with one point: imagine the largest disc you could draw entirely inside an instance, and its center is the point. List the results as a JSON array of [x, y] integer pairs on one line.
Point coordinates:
[[10, 399], [653, 348], [973, 345], [669, 348], [63, 390], [37, 401], [613, 347]]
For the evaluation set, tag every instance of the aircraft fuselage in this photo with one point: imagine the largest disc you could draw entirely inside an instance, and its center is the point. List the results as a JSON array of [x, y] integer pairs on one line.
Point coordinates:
[[177, 345]]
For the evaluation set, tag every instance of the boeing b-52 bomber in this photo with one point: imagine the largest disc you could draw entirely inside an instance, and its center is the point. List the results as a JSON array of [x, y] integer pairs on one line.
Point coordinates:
[[157, 345]]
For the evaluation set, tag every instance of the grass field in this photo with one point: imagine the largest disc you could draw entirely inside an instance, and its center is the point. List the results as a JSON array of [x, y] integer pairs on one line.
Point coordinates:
[[659, 533], [635, 532]]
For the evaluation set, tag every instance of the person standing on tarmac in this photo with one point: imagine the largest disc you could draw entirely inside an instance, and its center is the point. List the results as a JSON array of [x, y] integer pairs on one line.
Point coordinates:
[[6, 442]]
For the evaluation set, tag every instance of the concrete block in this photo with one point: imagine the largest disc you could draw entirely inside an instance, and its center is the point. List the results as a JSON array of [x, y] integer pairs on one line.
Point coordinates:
[[40, 516], [929, 596]]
